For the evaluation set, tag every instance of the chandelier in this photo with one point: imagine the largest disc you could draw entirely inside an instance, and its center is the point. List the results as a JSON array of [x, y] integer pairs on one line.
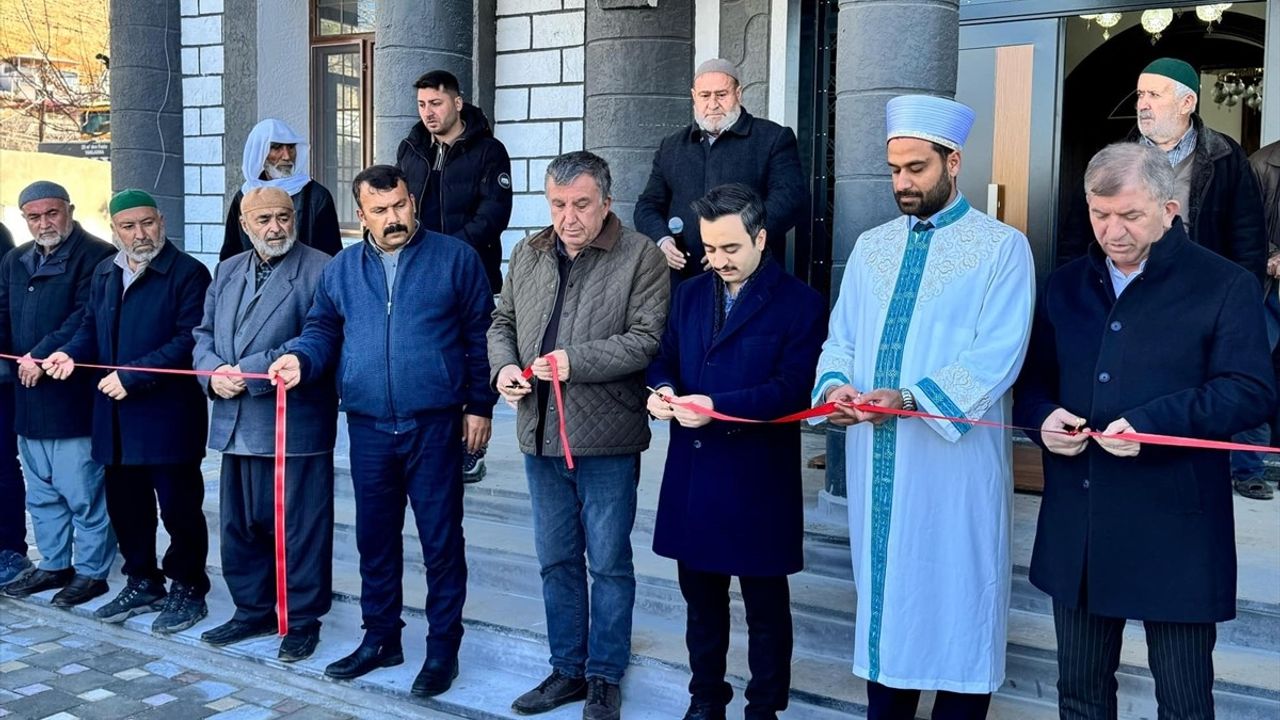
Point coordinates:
[[1211, 14], [1239, 87], [1106, 21], [1155, 22]]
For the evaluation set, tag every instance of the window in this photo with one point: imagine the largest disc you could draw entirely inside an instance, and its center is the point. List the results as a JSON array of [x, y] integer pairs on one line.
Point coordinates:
[[343, 17], [342, 98]]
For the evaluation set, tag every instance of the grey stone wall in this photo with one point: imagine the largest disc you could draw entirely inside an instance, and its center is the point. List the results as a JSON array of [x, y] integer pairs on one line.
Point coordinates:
[[412, 38], [744, 41], [640, 62], [146, 104]]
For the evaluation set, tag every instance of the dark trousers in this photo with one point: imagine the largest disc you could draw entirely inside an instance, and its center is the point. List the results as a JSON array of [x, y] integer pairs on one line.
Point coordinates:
[[768, 605], [424, 466], [1180, 656], [248, 536], [133, 491], [13, 494], [886, 703]]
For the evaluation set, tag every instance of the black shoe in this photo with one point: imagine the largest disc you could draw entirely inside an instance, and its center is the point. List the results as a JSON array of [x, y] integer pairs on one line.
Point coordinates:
[[181, 610], [39, 581], [699, 710], [365, 659], [551, 693], [234, 631], [81, 589], [604, 700], [137, 597], [299, 644], [436, 677]]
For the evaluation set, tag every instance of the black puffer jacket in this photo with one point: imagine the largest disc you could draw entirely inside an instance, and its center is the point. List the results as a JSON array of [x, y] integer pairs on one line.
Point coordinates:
[[469, 196]]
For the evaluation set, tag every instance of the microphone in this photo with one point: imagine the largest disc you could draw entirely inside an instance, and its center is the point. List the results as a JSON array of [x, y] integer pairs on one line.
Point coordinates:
[[675, 226]]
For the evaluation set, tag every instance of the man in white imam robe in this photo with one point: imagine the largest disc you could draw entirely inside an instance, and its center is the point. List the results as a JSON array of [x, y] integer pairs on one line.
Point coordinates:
[[944, 311]]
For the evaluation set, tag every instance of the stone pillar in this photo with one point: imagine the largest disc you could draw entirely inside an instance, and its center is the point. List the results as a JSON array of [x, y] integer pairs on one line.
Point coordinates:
[[744, 41], [240, 81], [639, 59], [413, 37], [146, 104], [869, 32]]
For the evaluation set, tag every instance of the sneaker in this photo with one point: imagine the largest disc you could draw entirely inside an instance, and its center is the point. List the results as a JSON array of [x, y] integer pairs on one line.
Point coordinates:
[[13, 565], [181, 610], [139, 596], [556, 690], [604, 700], [473, 469], [1254, 488]]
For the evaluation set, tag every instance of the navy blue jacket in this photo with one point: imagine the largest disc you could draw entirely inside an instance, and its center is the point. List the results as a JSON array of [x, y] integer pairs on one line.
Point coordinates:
[[469, 197], [423, 351], [39, 311], [164, 418], [731, 497], [761, 154], [1183, 351]]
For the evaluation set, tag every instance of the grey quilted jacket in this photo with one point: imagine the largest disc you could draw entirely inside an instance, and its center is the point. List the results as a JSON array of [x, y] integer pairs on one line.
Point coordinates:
[[615, 309]]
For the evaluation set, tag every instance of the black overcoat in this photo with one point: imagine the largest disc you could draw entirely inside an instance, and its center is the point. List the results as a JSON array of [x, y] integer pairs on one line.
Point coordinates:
[[1183, 351]]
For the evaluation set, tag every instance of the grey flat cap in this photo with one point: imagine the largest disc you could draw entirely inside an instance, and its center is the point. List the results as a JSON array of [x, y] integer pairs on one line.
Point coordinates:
[[717, 65], [42, 190]]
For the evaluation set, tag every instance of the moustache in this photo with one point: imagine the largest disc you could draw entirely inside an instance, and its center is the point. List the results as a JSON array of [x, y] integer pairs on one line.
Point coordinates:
[[909, 194], [395, 228]]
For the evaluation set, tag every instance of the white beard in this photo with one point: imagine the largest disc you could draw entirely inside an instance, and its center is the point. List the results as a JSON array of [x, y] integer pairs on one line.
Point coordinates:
[[276, 172], [725, 123], [268, 251]]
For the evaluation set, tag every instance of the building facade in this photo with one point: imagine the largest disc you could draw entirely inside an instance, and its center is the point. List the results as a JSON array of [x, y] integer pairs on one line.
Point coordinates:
[[1051, 81]]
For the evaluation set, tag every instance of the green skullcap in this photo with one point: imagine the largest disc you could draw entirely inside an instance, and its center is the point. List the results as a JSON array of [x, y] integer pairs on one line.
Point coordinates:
[[129, 199], [1175, 69]]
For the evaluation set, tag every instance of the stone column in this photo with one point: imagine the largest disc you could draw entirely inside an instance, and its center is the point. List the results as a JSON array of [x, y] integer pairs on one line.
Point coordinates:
[[744, 41], [871, 31], [413, 37], [639, 59], [146, 104]]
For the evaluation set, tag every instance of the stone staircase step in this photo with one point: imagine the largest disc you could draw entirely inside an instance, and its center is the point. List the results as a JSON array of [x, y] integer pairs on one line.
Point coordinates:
[[820, 679], [504, 599], [499, 522]]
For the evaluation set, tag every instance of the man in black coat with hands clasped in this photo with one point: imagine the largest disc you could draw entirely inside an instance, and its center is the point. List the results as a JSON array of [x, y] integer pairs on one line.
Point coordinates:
[[1148, 333]]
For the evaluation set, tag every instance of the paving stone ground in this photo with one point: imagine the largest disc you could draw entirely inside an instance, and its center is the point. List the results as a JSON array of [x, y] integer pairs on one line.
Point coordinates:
[[51, 671]]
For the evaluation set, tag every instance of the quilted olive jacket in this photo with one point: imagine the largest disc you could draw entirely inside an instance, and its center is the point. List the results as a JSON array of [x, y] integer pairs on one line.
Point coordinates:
[[615, 309]]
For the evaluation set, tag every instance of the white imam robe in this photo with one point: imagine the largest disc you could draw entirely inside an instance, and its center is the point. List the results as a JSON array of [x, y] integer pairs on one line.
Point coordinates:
[[947, 314]]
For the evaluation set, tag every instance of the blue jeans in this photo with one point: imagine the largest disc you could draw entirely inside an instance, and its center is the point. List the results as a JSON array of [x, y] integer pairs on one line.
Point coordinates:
[[68, 505], [423, 468], [1245, 464], [588, 509]]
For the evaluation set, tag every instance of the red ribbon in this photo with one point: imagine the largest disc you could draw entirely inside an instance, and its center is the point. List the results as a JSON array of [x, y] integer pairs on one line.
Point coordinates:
[[527, 373], [282, 589], [826, 409]]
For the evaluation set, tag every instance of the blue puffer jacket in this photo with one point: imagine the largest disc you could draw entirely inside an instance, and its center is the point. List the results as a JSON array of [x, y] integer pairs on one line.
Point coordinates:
[[422, 351]]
